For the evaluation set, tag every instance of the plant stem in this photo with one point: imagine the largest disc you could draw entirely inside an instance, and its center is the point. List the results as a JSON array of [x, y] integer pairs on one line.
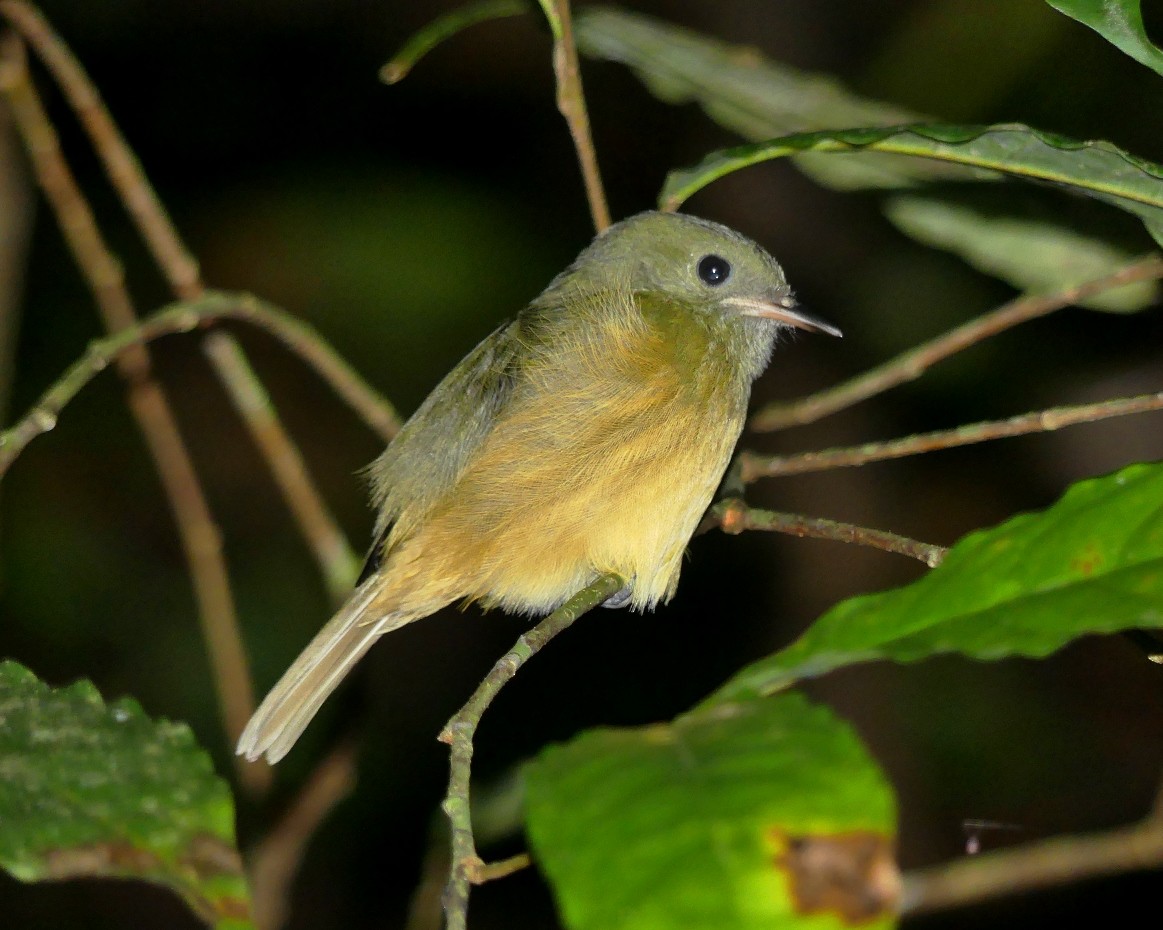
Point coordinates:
[[339, 563], [733, 516], [467, 868], [913, 363], [571, 101], [184, 317], [122, 166], [276, 859], [201, 542], [1056, 861], [752, 466]]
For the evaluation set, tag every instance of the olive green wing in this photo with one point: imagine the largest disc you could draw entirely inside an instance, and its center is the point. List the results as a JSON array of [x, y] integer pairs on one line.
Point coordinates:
[[431, 450]]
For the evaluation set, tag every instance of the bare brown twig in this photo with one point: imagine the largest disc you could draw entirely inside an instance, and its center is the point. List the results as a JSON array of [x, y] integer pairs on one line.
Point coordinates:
[[571, 102], [733, 516], [339, 562], [912, 364], [199, 535], [752, 466], [275, 861], [1053, 862], [120, 163], [16, 209]]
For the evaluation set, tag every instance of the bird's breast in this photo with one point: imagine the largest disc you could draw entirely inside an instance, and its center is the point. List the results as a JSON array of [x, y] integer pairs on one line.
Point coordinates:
[[604, 461]]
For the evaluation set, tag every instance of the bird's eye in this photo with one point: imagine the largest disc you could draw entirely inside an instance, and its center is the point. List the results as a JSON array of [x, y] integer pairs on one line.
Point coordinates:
[[714, 270]]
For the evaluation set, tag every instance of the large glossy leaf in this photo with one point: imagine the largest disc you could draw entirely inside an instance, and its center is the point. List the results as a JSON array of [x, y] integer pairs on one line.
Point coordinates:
[[751, 816], [90, 789], [1120, 22], [1091, 563], [1096, 169], [762, 99]]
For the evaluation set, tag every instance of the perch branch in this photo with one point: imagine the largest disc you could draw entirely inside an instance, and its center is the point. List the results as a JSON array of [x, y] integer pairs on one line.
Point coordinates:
[[467, 868], [733, 516], [913, 363], [752, 466]]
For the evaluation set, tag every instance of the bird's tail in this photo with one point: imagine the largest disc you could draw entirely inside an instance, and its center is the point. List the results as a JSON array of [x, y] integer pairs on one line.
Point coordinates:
[[294, 701]]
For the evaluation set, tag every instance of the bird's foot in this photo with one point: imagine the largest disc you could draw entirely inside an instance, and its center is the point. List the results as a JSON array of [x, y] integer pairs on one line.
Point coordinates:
[[620, 599]]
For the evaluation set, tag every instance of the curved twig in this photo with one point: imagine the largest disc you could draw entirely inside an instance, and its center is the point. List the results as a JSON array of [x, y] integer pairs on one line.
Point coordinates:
[[571, 101], [467, 868], [184, 317]]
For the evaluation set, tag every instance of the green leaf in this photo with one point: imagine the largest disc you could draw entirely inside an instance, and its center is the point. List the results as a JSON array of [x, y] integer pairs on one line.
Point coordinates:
[[443, 28], [1091, 563], [89, 789], [764, 814], [752, 95], [1019, 243], [1096, 169], [761, 99], [1120, 22]]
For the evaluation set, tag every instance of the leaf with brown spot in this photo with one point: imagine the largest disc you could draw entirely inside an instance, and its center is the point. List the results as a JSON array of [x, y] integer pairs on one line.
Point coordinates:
[[89, 789], [852, 875], [677, 826]]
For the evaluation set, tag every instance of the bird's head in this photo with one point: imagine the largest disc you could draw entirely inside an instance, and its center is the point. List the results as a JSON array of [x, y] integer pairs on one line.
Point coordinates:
[[704, 271]]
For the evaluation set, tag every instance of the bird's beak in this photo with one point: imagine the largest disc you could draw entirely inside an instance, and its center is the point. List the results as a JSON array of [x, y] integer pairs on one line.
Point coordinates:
[[782, 310]]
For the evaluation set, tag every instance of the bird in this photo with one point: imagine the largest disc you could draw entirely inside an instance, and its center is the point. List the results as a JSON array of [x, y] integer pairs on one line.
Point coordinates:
[[585, 437]]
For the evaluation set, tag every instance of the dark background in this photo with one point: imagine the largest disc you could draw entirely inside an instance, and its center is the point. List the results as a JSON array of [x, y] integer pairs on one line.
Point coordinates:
[[404, 222]]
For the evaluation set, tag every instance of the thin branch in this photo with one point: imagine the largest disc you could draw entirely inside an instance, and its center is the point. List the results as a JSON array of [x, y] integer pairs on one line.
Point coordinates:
[[300, 338], [503, 868], [734, 516], [276, 860], [181, 270], [443, 28], [122, 166], [338, 561], [752, 466], [16, 208], [1039, 865], [571, 101], [913, 363], [467, 868], [196, 528], [100, 354]]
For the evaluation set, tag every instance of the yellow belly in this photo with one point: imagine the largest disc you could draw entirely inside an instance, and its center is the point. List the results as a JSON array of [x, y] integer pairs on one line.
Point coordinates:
[[603, 461], [551, 501]]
